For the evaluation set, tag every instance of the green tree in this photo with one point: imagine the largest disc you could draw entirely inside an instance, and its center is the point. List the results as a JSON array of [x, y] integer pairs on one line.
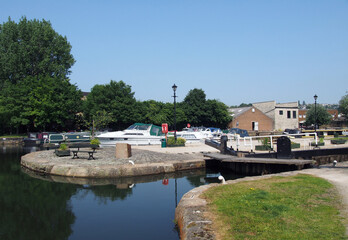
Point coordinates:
[[155, 112], [116, 99], [195, 108], [32, 48], [241, 105], [319, 113], [218, 114], [35, 92], [343, 105], [201, 112], [53, 104]]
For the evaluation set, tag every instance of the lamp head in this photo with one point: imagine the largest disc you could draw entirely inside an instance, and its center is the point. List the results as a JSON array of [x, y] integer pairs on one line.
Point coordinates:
[[174, 87], [315, 97]]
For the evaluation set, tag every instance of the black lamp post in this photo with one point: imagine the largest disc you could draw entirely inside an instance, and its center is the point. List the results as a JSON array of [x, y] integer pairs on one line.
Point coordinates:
[[174, 89], [315, 118], [315, 112]]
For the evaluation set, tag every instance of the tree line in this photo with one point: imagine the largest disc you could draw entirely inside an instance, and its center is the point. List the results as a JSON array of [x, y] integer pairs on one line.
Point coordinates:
[[36, 93]]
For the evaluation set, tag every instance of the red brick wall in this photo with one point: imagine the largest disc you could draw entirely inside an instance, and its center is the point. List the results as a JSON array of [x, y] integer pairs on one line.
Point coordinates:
[[245, 121]]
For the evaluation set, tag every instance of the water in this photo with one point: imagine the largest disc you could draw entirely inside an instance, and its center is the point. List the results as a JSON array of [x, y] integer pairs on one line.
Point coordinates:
[[45, 207]]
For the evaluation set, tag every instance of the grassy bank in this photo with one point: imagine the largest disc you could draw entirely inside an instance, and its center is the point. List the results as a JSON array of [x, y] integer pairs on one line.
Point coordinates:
[[14, 136], [298, 207]]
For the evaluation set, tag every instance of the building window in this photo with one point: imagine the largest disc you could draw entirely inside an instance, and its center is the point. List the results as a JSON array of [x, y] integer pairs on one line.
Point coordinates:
[[237, 124], [289, 114], [304, 116], [300, 116], [280, 112], [293, 114]]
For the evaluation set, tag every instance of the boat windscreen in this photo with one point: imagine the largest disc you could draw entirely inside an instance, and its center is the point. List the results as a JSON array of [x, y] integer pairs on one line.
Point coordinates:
[[138, 126]]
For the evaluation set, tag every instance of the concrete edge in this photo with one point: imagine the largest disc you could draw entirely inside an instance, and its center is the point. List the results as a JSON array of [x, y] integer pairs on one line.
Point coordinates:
[[44, 166]]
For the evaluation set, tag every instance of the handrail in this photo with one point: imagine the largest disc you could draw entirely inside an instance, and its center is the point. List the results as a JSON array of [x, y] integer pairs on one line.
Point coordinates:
[[246, 139]]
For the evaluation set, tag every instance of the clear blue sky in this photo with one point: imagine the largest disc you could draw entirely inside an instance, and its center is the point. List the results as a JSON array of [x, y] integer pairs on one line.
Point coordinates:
[[236, 51]]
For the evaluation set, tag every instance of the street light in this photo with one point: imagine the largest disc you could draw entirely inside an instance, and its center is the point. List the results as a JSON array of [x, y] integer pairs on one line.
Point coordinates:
[[315, 118], [174, 89]]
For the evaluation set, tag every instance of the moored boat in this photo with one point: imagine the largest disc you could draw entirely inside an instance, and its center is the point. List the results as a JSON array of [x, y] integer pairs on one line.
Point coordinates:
[[69, 137], [136, 134], [36, 138]]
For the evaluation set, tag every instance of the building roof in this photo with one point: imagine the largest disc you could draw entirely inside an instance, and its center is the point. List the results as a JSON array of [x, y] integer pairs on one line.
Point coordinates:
[[85, 94], [235, 112]]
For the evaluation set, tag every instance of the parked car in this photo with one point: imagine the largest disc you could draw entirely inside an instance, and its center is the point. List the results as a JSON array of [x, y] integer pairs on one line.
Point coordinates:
[[241, 132], [292, 131]]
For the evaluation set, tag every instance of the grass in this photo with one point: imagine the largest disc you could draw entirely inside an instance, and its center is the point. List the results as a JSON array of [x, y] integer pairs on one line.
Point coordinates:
[[298, 207], [14, 136]]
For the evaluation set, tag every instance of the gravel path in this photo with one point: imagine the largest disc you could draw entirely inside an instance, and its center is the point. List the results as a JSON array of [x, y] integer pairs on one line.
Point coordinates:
[[339, 177]]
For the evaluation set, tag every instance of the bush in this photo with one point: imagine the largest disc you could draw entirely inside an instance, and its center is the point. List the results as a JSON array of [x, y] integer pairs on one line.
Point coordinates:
[[95, 141], [265, 144], [295, 145], [179, 141], [338, 141], [262, 148], [63, 146]]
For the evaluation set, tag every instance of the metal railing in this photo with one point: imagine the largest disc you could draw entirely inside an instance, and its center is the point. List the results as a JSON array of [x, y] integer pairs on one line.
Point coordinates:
[[248, 141]]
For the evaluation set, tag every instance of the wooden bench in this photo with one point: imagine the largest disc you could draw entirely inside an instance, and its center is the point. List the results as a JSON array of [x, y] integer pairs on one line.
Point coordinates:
[[88, 148], [90, 153]]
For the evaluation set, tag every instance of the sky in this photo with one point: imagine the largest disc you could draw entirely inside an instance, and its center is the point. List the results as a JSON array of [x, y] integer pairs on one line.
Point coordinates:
[[242, 51]]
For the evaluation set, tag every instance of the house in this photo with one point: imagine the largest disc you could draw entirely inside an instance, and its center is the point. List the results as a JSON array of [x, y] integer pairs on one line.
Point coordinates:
[[266, 116], [250, 119]]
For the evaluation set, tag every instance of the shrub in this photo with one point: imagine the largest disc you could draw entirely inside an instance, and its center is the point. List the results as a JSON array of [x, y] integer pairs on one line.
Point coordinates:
[[95, 141], [179, 141], [295, 145], [63, 146], [266, 142], [338, 141]]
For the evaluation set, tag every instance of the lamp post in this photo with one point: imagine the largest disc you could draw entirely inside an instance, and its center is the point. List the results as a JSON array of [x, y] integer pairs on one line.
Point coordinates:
[[315, 119], [174, 89]]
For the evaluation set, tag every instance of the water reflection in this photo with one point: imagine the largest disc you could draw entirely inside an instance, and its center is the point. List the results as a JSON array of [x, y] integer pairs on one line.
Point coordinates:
[[118, 182], [34, 206], [30, 208]]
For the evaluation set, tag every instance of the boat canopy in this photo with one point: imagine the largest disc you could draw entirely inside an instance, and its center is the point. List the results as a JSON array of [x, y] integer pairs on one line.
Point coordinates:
[[154, 130]]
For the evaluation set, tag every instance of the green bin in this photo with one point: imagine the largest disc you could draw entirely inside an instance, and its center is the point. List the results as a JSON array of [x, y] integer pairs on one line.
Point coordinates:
[[164, 143]]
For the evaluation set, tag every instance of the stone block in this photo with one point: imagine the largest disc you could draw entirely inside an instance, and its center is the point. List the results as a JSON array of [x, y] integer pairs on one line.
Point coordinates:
[[123, 150]]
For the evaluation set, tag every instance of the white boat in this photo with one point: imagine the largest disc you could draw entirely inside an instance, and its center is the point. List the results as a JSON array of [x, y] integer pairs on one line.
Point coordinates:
[[193, 135], [136, 134], [189, 136]]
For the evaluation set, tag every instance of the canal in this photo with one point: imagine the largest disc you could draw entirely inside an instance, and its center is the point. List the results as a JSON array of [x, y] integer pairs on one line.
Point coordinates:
[[40, 207]]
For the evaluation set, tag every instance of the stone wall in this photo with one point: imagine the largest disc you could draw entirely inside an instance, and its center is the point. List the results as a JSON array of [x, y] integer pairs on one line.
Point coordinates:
[[11, 141]]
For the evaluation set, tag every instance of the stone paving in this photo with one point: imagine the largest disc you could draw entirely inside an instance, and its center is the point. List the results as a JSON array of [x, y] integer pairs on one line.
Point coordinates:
[[107, 156], [142, 162]]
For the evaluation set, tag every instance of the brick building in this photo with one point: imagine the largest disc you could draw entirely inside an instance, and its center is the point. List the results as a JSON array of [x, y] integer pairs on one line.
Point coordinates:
[[250, 119], [266, 116], [284, 115]]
